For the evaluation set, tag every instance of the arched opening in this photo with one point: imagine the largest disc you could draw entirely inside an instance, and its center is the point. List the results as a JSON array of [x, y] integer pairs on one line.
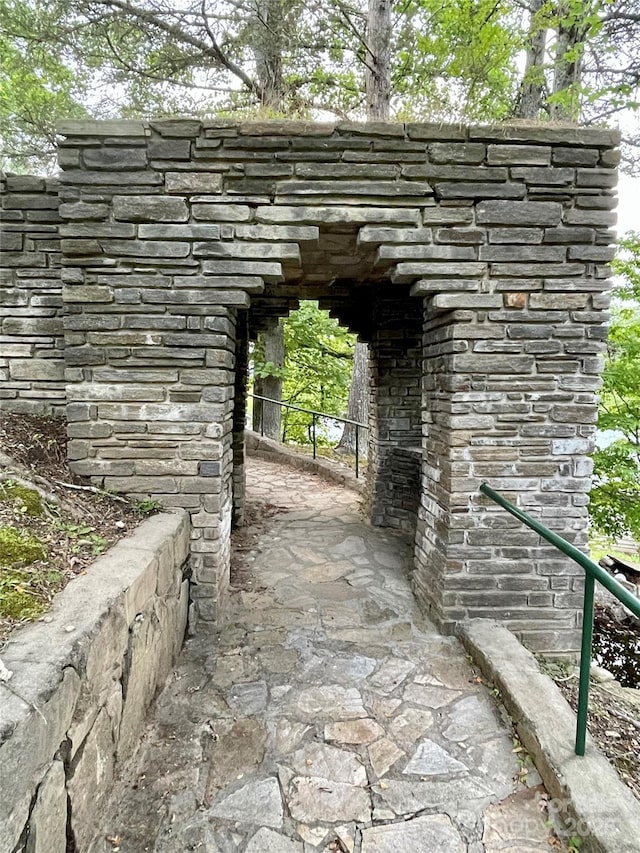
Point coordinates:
[[473, 260]]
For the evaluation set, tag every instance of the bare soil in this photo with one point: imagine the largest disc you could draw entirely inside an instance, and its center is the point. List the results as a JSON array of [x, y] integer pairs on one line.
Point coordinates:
[[42, 501], [613, 719], [243, 540]]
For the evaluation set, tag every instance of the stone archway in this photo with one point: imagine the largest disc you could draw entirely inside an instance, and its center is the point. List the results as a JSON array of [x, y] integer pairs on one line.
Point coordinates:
[[473, 259]]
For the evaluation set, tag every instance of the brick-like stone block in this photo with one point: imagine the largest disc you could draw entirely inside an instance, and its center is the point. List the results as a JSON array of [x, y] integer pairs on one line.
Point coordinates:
[[149, 208]]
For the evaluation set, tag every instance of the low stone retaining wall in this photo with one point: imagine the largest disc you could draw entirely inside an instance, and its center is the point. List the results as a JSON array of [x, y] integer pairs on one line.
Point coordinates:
[[588, 796], [87, 678], [272, 451]]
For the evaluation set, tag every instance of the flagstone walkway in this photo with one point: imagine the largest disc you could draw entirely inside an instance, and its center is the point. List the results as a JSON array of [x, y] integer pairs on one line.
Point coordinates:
[[329, 715]]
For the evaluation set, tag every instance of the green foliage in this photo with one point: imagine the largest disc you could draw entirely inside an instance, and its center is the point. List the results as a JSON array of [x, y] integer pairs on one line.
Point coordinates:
[[451, 60], [18, 599], [37, 88], [26, 501], [317, 370], [615, 498], [456, 60], [147, 506], [18, 547], [627, 265], [82, 536]]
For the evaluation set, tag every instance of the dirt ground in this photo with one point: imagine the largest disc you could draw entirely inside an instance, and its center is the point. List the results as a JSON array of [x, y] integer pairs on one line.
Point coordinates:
[[53, 524]]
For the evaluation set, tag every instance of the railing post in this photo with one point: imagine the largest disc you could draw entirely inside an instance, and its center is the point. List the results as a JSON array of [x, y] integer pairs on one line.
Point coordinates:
[[585, 663], [313, 433], [357, 453]]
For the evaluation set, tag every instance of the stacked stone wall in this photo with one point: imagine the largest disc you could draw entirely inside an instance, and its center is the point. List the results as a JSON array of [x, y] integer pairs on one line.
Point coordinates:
[[502, 237], [31, 335], [83, 682], [393, 488]]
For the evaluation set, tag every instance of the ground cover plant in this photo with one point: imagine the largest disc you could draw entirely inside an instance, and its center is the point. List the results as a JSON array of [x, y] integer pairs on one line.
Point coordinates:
[[53, 524]]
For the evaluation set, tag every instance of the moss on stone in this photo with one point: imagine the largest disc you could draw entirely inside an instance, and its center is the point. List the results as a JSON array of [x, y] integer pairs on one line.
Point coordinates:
[[17, 601], [26, 500], [19, 547]]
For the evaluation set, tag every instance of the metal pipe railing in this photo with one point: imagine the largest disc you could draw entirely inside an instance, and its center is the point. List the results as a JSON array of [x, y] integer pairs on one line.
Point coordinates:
[[593, 573], [314, 417]]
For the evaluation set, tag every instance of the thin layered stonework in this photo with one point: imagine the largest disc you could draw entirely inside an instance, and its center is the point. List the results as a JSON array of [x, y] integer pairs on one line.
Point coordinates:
[[31, 334], [472, 260]]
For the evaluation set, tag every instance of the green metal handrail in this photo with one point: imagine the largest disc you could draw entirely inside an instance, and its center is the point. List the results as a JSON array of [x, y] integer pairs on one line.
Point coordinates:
[[314, 419], [593, 573]]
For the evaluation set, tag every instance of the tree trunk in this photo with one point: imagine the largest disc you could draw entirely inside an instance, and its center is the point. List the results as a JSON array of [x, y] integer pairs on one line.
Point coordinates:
[[358, 408], [267, 50], [378, 89], [378, 60], [266, 416], [568, 65], [533, 79]]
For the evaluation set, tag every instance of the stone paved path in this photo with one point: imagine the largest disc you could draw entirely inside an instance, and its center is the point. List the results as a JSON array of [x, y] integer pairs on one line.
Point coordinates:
[[329, 716]]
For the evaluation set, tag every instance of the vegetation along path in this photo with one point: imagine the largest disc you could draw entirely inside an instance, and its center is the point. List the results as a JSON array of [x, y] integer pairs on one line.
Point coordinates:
[[328, 715]]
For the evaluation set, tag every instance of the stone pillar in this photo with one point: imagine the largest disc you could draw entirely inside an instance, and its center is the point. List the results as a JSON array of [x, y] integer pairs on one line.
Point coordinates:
[[31, 342], [509, 396], [239, 418], [393, 476]]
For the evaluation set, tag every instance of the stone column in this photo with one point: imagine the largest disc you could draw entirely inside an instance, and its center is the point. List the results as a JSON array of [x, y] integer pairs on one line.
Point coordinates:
[[239, 418], [393, 477], [508, 397], [31, 342]]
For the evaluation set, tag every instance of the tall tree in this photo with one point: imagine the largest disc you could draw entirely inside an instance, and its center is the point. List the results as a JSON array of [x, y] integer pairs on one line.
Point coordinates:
[[267, 417], [533, 83], [316, 373], [378, 91], [615, 498], [448, 60]]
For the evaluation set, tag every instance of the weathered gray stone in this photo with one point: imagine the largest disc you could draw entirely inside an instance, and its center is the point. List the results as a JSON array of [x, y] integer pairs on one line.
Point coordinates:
[[298, 233], [248, 251], [118, 158], [149, 208], [221, 212], [479, 190], [430, 832], [147, 248], [193, 182], [248, 699], [327, 762], [35, 369], [257, 803], [391, 674], [514, 155], [311, 799], [108, 127], [91, 779], [408, 798], [456, 152], [430, 759], [267, 841], [429, 696], [48, 820], [329, 702], [179, 232], [545, 213], [26, 755], [169, 149], [383, 754], [314, 215], [354, 731]]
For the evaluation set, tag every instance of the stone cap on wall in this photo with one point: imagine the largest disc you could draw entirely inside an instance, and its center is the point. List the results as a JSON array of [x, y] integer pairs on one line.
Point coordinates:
[[524, 131]]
